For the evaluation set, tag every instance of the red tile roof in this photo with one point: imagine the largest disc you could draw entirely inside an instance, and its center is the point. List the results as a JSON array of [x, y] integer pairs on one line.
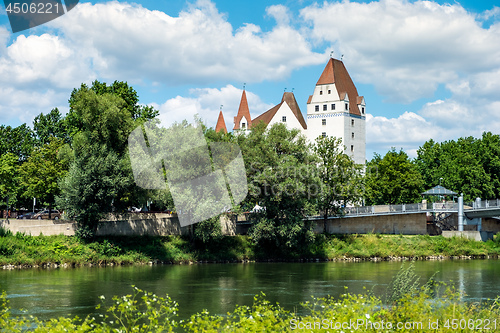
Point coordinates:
[[221, 124], [243, 111], [335, 72], [289, 98]]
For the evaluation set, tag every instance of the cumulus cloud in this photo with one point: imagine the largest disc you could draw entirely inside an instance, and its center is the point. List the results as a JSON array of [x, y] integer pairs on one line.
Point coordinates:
[[198, 46], [206, 104], [406, 49]]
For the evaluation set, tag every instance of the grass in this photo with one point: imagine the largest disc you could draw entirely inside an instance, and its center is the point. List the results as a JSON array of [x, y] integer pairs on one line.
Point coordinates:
[[21, 249]]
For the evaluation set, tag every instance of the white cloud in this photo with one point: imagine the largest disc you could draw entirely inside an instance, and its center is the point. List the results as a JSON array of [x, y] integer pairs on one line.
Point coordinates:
[[206, 103], [42, 61], [406, 49], [197, 46], [280, 13]]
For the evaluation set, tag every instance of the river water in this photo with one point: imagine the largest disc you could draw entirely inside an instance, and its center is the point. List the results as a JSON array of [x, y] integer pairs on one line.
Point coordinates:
[[219, 287]]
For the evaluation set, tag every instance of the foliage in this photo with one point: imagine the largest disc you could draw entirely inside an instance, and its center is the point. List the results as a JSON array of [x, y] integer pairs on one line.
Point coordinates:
[[19, 141], [281, 178], [92, 185], [8, 177], [51, 125], [406, 283], [392, 179], [468, 165], [144, 311], [208, 231], [341, 180], [42, 171]]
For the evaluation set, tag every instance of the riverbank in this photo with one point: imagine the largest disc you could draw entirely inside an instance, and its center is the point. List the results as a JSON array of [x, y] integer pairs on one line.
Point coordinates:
[[24, 251]]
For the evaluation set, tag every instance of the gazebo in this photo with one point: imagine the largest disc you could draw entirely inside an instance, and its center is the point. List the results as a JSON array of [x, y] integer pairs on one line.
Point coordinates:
[[439, 190]]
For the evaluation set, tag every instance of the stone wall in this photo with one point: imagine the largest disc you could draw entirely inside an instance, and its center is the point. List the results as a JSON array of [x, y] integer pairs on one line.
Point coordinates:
[[405, 224], [166, 224]]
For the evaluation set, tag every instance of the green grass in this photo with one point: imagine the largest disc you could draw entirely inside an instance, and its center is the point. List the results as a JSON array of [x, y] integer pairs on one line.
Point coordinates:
[[21, 249]]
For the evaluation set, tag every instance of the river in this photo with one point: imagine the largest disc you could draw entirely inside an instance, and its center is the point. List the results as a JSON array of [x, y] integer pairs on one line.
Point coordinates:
[[48, 293]]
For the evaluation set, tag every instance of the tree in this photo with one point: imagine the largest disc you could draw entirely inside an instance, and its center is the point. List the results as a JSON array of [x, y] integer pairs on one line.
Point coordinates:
[[8, 178], [93, 183], [341, 180], [19, 141], [281, 176], [467, 165], [50, 125], [393, 179], [100, 178], [41, 172], [122, 90]]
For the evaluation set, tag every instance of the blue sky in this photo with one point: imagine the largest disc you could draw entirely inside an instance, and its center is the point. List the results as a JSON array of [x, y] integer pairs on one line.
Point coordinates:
[[427, 69]]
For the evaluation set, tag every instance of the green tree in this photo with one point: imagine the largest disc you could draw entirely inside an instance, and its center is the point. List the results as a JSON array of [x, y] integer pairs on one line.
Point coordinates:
[[467, 165], [119, 89], [19, 141], [281, 177], [50, 125], [100, 178], [341, 181], [393, 179], [8, 179], [41, 172]]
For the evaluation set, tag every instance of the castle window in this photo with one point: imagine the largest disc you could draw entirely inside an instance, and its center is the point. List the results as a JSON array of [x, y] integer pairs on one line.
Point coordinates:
[[323, 122], [363, 110], [323, 134], [329, 91], [283, 119], [316, 108], [346, 106], [321, 92], [243, 125], [333, 106], [325, 107], [352, 147], [352, 135], [352, 122]]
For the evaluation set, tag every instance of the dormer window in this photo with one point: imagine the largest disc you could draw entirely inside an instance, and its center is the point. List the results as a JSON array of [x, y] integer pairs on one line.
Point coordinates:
[[346, 106], [243, 125], [363, 110]]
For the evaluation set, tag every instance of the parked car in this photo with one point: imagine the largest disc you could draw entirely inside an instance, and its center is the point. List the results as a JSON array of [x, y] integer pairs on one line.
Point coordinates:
[[26, 216], [44, 214]]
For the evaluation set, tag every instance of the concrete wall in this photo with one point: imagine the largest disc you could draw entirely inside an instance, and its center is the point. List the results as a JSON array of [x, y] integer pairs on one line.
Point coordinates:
[[406, 224], [166, 224], [37, 227]]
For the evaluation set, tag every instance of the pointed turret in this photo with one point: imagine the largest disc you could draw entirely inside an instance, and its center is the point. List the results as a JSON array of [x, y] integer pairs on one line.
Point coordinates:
[[242, 120], [221, 124], [336, 73]]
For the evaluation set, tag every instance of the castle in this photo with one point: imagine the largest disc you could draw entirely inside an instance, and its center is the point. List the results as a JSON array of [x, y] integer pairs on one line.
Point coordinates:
[[334, 109]]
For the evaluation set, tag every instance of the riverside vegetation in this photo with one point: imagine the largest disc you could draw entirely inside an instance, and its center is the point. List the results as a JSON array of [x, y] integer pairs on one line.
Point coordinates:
[[25, 250], [407, 307]]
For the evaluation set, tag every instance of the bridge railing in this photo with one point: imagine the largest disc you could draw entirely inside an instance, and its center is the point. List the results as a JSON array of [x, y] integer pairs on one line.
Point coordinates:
[[384, 209]]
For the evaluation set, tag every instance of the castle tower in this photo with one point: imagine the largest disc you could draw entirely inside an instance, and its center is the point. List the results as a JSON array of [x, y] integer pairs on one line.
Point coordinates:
[[221, 124], [336, 109], [243, 121], [287, 112]]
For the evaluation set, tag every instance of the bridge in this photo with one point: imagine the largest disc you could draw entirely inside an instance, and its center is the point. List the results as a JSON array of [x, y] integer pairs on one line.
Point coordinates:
[[472, 210]]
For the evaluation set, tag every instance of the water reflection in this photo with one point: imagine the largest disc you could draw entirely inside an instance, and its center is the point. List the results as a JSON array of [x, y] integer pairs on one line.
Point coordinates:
[[219, 287]]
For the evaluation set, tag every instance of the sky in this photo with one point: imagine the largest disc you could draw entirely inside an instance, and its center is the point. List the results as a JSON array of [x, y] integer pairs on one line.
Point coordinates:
[[427, 69]]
